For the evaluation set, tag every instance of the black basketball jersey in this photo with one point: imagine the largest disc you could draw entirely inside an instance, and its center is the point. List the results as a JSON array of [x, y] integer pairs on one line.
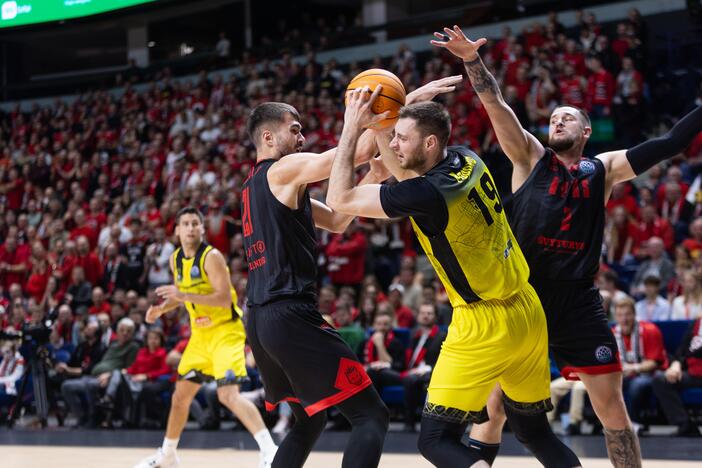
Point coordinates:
[[558, 218], [280, 243]]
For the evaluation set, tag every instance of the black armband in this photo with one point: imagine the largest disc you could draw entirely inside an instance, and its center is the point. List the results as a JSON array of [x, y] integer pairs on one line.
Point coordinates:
[[644, 156]]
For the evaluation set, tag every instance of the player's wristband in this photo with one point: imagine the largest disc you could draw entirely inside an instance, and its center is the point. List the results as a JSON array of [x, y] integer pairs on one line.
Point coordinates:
[[644, 156]]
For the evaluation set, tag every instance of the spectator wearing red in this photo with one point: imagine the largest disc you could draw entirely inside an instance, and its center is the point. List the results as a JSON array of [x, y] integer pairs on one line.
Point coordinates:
[[99, 304], [621, 196], [384, 354], [346, 257], [652, 225], [13, 189], [14, 262], [621, 44], [572, 87], [403, 314], [574, 57], [89, 260], [422, 355], [693, 244], [39, 274], [600, 88], [673, 175], [642, 352], [671, 207], [620, 233], [84, 228]]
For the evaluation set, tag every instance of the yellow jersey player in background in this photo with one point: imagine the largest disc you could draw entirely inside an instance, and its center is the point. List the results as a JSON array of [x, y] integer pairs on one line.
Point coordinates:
[[498, 333], [216, 346]]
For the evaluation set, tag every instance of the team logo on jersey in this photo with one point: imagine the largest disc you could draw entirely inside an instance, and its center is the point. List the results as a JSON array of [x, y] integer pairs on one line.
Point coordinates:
[[194, 272], [587, 167], [603, 354]]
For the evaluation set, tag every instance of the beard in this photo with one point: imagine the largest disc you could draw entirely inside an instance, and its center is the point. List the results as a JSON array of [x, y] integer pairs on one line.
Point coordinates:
[[561, 144], [413, 161]]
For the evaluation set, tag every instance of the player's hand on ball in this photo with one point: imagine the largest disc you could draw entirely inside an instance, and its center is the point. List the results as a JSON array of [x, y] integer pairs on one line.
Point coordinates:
[[358, 108], [458, 44], [153, 314], [170, 292], [432, 89]]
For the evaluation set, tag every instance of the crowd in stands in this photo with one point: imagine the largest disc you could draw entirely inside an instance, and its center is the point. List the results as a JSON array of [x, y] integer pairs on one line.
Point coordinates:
[[89, 191]]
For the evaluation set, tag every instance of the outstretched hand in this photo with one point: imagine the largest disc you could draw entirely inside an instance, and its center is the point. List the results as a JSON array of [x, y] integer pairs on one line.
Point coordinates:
[[432, 89], [458, 44], [359, 112]]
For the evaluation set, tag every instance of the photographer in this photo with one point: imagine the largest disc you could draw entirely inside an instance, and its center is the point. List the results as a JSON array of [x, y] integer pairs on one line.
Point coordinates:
[[120, 354]]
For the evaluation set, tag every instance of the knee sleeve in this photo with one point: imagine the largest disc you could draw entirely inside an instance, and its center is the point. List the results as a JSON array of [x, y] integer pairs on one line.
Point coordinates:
[[440, 443], [535, 433]]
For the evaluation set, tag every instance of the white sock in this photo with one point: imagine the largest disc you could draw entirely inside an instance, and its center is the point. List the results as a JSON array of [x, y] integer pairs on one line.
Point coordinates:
[[169, 446], [265, 441]]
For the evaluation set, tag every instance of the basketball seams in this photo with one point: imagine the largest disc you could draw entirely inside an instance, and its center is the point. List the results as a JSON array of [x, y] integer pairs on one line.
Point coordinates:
[[383, 95], [392, 78]]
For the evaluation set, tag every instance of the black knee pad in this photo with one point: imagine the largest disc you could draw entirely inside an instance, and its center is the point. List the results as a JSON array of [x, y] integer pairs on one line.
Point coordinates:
[[535, 433]]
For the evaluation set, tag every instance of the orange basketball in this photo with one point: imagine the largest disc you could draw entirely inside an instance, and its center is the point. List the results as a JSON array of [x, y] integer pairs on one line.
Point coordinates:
[[391, 98]]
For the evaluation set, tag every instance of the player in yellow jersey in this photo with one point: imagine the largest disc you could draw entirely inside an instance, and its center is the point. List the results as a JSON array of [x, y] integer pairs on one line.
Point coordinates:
[[498, 333], [216, 346]]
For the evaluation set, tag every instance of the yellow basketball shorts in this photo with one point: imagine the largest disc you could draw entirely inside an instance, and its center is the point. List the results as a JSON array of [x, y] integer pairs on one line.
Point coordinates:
[[489, 342], [216, 353]]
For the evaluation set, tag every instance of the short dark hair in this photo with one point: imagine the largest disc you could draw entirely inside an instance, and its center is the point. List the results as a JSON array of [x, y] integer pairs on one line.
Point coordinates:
[[265, 113], [189, 210], [582, 113], [431, 118]]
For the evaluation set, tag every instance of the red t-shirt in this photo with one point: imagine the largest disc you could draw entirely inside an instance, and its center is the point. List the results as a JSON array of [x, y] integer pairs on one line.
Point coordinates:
[[152, 364], [601, 88], [651, 344], [693, 246], [404, 316], [105, 307], [19, 256]]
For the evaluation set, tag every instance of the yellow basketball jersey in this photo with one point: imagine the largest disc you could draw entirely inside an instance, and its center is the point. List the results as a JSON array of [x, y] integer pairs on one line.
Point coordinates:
[[476, 256], [191, 278]]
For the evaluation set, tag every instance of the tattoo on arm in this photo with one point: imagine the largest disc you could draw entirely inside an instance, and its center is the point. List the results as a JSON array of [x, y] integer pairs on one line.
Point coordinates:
[[623, 448], [481, 79]]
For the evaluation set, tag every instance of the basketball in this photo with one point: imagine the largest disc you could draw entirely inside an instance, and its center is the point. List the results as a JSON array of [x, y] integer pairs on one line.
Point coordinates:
[[391, 98]]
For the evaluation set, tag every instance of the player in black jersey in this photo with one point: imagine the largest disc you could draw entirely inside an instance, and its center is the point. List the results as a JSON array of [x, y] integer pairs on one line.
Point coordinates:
[[558, 217], [302, 359]]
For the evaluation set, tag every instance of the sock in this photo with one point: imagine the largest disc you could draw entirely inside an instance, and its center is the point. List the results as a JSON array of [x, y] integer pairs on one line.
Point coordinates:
[[169, 446], [488, 452], [265, 441]]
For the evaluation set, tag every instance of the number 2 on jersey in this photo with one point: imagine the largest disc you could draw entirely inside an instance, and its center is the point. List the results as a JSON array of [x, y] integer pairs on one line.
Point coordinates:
[[490, 191]]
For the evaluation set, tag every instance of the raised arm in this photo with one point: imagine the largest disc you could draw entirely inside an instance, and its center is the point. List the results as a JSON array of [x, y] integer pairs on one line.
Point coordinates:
[[623, 165], [342, 195], [521, 147]]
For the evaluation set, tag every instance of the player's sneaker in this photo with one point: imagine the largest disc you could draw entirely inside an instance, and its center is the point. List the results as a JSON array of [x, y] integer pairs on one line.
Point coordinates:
[[159, 460], [266, 459]]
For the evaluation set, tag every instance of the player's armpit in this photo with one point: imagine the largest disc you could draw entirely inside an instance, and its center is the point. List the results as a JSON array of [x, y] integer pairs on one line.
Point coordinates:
[[617, 167], [363, 200]]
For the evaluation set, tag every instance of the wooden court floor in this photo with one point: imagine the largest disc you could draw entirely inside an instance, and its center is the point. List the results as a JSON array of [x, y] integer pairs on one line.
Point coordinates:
[[15, 456]]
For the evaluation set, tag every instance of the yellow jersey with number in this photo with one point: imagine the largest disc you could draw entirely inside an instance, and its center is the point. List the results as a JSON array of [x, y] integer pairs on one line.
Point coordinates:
[[459, 220], [191, 278]]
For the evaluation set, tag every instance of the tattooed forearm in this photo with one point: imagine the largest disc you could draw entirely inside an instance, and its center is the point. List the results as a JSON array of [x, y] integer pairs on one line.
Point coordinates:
[[481, 79], [623, 448]]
